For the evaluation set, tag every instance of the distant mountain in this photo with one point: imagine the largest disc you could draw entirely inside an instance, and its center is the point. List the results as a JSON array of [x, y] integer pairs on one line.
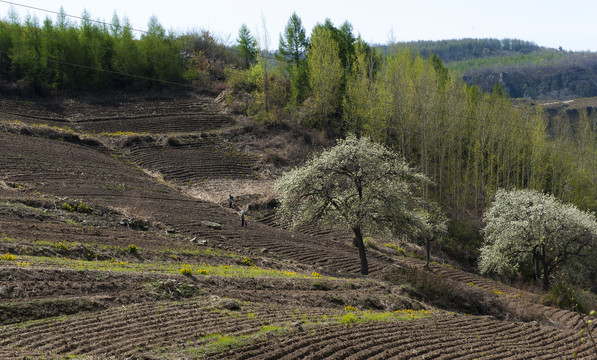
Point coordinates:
[[522, 68]]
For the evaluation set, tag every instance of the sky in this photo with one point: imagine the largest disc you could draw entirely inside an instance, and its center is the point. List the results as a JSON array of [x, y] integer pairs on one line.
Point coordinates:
[[550, 23]]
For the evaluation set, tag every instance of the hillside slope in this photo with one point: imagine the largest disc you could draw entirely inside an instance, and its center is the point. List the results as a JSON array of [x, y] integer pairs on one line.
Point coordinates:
[[103, 203]]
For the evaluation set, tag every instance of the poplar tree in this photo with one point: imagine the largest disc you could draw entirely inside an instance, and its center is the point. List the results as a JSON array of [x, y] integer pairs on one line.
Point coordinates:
[[325, 77]]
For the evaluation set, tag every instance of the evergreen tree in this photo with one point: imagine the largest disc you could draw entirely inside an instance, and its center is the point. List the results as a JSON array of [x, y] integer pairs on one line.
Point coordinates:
[[247, 46], [292, 50]]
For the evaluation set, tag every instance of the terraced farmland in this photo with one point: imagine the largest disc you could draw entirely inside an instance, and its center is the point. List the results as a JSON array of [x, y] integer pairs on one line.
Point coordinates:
[[96, 226]]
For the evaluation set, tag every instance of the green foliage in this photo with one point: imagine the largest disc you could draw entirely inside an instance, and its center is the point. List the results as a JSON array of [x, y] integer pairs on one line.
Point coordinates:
[[66, 56], [133, 249], [325, 78], [530, 233], [292, 51], [569, 297], [247, 46]]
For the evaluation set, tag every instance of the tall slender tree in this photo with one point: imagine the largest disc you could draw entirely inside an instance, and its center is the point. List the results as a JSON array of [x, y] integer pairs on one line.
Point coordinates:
[[292, 51], [247, 46], [325, 77]]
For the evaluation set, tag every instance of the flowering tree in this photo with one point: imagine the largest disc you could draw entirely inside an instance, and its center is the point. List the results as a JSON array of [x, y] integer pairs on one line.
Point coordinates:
[[357, 184], [529, 231]]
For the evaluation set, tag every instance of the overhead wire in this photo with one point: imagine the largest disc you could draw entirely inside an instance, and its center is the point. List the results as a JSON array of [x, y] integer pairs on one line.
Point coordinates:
[[67, 15], [269, 56]]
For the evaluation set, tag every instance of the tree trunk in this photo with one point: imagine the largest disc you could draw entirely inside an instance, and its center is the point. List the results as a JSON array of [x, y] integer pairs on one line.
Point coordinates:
[[545, 277], [358, 237], [428, 251]]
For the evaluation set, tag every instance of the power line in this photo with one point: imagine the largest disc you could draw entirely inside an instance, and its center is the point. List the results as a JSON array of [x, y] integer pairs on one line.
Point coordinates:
[[38, 34], [105, 70], [269, 57], [67, 15]]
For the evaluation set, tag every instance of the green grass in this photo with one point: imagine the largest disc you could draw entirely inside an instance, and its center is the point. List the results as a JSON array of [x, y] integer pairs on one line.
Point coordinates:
[[219, 342], [161, 267]]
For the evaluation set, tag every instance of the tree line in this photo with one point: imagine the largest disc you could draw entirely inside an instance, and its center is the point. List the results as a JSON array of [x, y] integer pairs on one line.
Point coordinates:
[[465, 49], [469, 142], [566, 76], [63, 55]]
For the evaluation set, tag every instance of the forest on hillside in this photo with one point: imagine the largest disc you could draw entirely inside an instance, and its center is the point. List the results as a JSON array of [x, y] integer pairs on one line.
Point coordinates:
[[61, 55], [470, 142], [523, 69]]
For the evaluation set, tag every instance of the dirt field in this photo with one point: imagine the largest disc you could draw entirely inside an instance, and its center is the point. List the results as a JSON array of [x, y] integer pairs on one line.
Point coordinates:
[[100, 210]]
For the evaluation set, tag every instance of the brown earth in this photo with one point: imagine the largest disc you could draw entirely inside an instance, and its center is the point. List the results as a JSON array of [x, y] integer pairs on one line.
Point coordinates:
[[82, 180]]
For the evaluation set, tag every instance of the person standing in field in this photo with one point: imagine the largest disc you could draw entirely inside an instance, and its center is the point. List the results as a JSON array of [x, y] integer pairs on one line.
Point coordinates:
[[242, 219], [230, 200]]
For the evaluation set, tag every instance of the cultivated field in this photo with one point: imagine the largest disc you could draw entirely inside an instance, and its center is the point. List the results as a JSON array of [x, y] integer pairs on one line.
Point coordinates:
[[105, 205]]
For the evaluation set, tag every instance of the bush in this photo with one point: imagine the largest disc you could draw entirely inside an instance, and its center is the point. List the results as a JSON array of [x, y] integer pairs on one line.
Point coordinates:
[[60, 246], [397, 248], [186, 271], [67, 207], [247, 262], [7, 257], [569, 297], [82, 208], [242, 80], [133, 249], [202, 272]]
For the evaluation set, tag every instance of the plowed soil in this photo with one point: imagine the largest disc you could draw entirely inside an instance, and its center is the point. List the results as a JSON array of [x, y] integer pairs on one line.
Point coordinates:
[[81, 181]]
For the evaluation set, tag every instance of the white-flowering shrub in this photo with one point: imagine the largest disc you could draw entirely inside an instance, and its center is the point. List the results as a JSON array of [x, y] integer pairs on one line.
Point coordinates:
[[527, 231]]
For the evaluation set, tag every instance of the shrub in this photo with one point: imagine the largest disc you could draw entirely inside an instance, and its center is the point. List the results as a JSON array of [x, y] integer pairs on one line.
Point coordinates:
[[370, 243], [7, 257], [202, 272], [67, 207], [569, 297], [82, 208], [348, 318], [397, 248], [186, 271], [60, 246], [133, 249], [247, 261]]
